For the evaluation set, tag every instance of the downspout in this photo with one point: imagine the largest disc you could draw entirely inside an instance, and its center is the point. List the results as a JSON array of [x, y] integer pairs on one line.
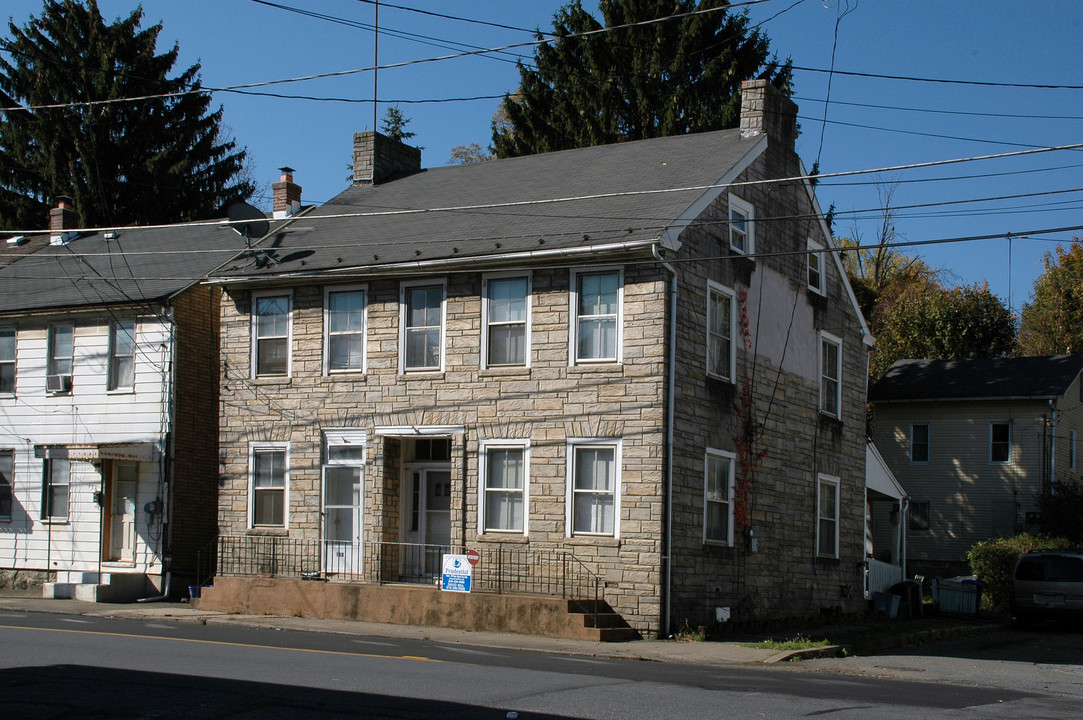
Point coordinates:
[[671, 382], [1052, 446], [904, 524]]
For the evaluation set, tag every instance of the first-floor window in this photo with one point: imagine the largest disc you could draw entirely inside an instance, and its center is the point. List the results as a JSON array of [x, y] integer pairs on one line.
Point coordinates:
[[827, 514], [54, 500], [7, 480], [718, 497], [919, 515], [1000, 442], [269, 480], [594, 471], [504, 495]]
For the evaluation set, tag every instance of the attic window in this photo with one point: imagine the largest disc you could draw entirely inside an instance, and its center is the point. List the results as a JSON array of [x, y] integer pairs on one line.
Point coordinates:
[[742, 231]]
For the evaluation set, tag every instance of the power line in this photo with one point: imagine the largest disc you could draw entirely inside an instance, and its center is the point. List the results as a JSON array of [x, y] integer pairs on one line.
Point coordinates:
[[945, 81]]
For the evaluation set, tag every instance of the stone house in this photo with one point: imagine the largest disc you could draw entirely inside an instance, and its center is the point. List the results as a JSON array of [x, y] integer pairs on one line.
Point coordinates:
[[108, 400], [976, 444], [638, 363]]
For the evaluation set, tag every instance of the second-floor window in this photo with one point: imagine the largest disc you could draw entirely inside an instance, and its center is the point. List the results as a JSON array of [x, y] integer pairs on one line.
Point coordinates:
[[271, 335], [830, 375], [919, 443], [345, 328], [507, 316], [1000, 442], [121, 355], [721, 352], [61, 357], [7, 360], [597, 316], [423, 324]]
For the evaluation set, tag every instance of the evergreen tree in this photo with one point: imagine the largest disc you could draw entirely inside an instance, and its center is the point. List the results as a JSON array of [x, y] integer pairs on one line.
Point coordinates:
[[1052, 322], [394, 125], [674, 76], [154, 160]]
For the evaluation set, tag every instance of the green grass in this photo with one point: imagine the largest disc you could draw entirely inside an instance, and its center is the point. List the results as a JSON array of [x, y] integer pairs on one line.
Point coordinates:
[[797, 643]]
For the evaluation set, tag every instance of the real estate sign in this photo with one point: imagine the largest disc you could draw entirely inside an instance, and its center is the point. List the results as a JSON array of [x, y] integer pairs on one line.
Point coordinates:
[[458, 572]]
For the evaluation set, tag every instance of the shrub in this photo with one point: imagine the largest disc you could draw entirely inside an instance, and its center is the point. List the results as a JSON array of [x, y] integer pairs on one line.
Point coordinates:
[[992, 562]]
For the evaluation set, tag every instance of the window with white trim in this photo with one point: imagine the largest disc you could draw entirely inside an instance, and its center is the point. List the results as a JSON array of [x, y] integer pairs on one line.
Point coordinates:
[[344, 330], [423, 327], [596, 313], [815, 267], [7, 482], [61, 358], [504, 493], [919, 443], [827, 516], [1000, 442], [121, 355], [506, 315], [271, 320], [718, 479], [7, 360], [268, 484], [721, 319], [54, 490], [830, 375], [742, 226], [594, 487]]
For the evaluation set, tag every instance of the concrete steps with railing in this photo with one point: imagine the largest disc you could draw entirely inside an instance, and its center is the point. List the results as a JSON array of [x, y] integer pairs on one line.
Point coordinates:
[[605, 625]]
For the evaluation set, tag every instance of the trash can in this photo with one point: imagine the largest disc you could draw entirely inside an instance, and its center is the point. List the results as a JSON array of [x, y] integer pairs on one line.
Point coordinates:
[[910, 604]]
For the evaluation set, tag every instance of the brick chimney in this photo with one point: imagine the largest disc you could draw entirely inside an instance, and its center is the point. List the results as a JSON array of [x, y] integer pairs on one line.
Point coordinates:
[[287, 194], [62, 218], [376, 157], [766, 109]]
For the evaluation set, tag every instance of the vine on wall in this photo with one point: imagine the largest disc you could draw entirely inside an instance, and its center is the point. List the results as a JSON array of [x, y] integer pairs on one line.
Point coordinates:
[[748, 457]]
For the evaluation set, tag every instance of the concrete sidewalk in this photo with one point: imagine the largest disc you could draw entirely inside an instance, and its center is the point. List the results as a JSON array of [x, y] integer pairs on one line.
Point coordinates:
[[698, 653]]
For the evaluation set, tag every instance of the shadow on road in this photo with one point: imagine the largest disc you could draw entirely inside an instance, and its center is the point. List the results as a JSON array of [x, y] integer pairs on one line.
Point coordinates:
[[1043, 644], [70, 691]]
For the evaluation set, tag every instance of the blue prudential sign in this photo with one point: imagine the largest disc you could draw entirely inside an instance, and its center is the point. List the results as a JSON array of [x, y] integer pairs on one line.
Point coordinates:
[[457, 574]]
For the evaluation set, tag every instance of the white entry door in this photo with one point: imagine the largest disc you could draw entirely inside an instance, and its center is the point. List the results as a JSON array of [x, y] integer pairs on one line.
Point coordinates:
[[428, 525], [343, 475], [125, 482]]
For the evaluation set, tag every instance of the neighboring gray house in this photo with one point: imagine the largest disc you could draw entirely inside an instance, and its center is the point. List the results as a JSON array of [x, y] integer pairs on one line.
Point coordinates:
[[639, 365], [976, 443]]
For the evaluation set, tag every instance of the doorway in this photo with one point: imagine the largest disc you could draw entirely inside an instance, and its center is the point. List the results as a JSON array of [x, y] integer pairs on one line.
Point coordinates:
[[427, 530], [123, 486]]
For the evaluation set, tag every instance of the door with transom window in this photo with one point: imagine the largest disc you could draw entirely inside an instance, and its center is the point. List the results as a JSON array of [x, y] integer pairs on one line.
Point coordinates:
[[122, 497], [343, 496]]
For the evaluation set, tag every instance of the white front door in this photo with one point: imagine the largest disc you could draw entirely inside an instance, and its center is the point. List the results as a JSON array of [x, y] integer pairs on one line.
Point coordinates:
[[428, 519], [125, 483], [342, 492]]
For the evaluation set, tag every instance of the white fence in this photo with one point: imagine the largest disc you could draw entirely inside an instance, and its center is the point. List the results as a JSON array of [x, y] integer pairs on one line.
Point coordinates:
[[879, 576]]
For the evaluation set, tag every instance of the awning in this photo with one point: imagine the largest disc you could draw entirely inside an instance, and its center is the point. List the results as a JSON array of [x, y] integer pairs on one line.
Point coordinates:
[[96, 452], [878, 476]]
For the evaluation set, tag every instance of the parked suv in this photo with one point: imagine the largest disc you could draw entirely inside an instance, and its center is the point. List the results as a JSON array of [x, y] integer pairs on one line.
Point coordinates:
[[1048, 585]]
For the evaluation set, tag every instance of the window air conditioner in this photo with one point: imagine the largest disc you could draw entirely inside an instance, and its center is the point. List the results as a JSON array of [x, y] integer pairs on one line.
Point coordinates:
[[58, 383]]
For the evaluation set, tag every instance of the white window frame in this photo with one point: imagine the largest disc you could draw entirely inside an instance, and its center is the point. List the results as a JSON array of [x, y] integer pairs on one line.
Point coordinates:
[[13, 360], [573, 316], [328, 334], [714, 288], [573, 446], [404, 330], [7, 482], [1071, 450], [746, 209], [48, 483], [254, 448], [816, 266], [485, 447], [255, 338], [992, 425], [828, 338], [112, 381], [928, 444], [821, 481], [53, 362], [731, 461], [486, 355]]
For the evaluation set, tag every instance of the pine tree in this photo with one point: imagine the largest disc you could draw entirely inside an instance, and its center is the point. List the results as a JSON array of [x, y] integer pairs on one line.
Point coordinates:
[[394, 124], [675, 76], [154, 160]]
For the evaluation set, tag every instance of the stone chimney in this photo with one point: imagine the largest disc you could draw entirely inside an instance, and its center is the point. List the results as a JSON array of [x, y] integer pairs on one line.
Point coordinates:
[[376, 157], [287, 195], [765, 109], [62, 218]]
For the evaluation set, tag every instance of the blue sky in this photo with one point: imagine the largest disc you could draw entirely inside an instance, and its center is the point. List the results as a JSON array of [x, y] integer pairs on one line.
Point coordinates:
[[872, 122]]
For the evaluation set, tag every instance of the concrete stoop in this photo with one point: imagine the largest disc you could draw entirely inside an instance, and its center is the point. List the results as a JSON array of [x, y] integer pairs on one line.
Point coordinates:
[[95, 588], [416, 605]]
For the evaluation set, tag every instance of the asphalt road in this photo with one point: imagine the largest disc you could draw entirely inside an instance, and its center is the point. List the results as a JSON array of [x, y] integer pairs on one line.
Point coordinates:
[[75, 667]]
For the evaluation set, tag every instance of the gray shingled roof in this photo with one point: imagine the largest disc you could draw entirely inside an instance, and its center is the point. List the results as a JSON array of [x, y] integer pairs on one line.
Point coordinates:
[[138, 265], [405, 219], [1027, 377]]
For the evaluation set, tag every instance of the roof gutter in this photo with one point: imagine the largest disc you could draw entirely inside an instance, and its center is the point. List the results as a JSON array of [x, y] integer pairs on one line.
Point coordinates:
[[426, 266]]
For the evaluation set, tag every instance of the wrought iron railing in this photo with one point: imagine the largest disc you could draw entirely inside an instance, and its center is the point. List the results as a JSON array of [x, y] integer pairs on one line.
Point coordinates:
[[501, 568]]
